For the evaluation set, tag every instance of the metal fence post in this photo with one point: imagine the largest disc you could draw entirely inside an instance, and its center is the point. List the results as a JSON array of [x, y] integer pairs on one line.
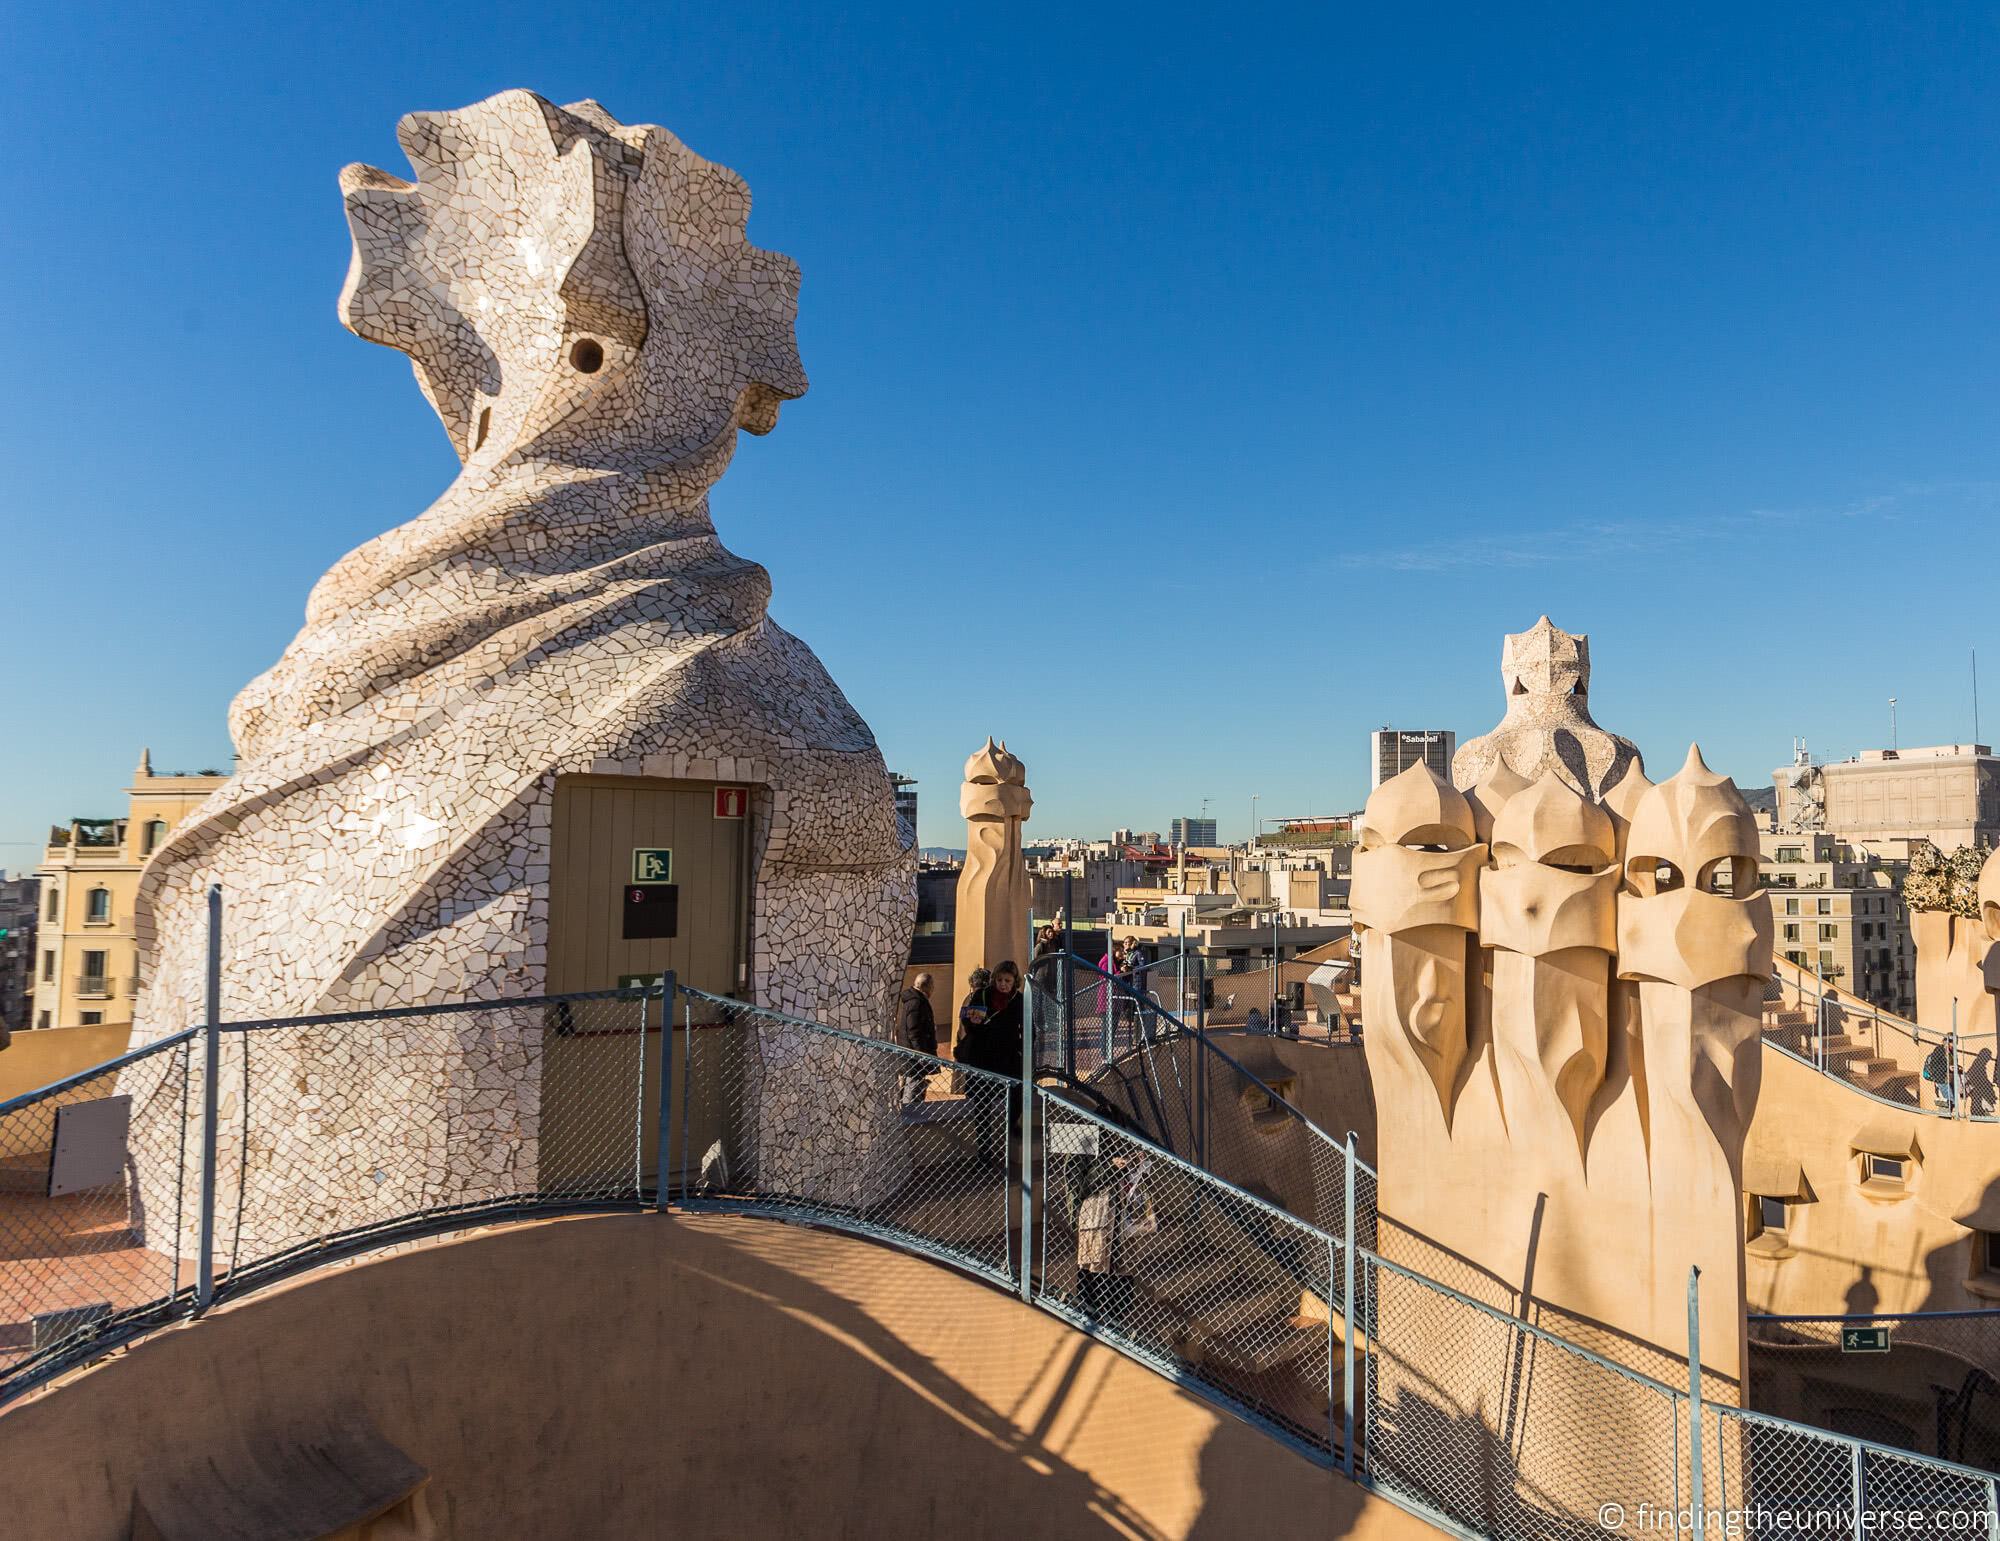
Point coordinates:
[[1957, 1087], [1180, 973], [1347, 1315], [1270, 1022], [1027, 1132], [1819, 1017], [204, 1275], [1854, 1482], [668, 989], [1698, 1493], [1201, 1047], [1069, 973]]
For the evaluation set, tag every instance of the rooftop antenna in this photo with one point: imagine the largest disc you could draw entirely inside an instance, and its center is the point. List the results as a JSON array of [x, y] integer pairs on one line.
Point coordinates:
[[1975, 695], [1892, 723]]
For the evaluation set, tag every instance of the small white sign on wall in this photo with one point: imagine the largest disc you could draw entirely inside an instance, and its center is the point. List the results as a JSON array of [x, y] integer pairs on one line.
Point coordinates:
[[1073, 1139]]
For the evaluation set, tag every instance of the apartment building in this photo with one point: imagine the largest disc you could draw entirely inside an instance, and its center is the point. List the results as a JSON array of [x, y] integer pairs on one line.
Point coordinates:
[[1837, 909], [87, 971], [19, 909], [1391, 751], [1948, 794], [1186, 831]]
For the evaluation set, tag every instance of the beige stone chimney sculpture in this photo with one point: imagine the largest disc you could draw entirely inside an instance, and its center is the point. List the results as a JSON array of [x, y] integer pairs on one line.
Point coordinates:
[[1955, 920], [991, 926], [1562, 1028]]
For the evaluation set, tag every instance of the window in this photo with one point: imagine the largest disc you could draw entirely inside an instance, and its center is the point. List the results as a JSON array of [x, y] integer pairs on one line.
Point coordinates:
[[1826, 906], [97, 907], [92, 1018], [1791, 906], [1768, 1225], [44, 1022], [1883, 1168], [48, 965], [1829, 933], [1826, 963], [91, 981], [1795, 956], [55, 899], [156, 831], [1986, 1252], [1792, 932]]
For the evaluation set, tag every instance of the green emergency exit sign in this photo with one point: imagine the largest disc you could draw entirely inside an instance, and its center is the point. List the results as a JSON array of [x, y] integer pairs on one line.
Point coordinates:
[[650, 865], [1864, 1340]]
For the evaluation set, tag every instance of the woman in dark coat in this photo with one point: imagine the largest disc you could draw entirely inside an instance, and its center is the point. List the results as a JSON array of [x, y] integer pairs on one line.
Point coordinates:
[[990, 1039], [999, 1035]]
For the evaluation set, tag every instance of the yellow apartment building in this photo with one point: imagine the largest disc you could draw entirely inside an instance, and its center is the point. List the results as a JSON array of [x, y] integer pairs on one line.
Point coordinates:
[[1840, 914], [87, 970]]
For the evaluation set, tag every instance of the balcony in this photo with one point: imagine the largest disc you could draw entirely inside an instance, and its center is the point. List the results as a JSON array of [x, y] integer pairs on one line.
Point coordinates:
[[95, 987]]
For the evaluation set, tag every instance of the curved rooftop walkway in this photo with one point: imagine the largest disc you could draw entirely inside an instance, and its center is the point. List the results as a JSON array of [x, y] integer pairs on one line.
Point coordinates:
[[612, 1375]]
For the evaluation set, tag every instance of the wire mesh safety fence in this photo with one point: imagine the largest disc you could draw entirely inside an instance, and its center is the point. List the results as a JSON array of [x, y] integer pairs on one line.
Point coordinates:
[[1223, 1109], [782, 1116], [1778, 1479], [1503, 1428], [87, 1254], [327, 1133], [1188, 1274], [1883, 1055], [1086, 1018], [537, 1103], [1292, 998], [333, 1134], [1173, 981], [1925, 1382]]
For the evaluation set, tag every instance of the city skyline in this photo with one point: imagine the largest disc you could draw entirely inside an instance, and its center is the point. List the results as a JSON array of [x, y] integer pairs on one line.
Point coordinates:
[[1607, 321]]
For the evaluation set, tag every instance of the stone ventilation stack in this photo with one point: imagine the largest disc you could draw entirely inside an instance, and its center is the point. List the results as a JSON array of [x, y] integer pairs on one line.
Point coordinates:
[[994, 896], [585, 313], [1955, 921], [1563, 968]]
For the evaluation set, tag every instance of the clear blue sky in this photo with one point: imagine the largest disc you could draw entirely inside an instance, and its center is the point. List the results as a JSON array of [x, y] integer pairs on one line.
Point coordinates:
[[1193, 389]]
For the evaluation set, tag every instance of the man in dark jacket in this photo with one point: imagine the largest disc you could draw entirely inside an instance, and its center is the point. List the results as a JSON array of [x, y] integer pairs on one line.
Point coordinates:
[[916, 1028]]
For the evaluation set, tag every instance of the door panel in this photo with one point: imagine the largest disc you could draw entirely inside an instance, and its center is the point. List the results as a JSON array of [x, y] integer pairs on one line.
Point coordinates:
[[599, 822], [595, 1051]]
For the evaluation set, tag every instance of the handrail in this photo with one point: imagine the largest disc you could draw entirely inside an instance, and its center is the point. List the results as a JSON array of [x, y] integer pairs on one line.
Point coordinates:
[[645, 992], [1854, 1086], [1815, 997], [939, 1062], [119, 1062], [1207, 1045], [1161, 1153], [1828, 993], [1871, 1316]]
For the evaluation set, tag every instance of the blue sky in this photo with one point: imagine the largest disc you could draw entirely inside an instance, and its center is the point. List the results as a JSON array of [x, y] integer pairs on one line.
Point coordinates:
[[1193, 389]]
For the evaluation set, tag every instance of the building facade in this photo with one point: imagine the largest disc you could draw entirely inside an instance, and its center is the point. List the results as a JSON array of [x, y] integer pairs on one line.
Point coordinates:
[[1948, 794], [906, 799], [19, 912], [1838, 912], [1391, 751], [87, 963], [1192, 832]]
